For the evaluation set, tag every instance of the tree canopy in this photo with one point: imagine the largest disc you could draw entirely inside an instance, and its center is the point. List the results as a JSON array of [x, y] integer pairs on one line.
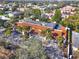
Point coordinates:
[[57, 16], [31, 49], [36, 13], [71, 21], [1, 12]]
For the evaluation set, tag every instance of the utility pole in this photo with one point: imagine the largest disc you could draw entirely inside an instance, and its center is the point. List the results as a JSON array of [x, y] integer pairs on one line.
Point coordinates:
[[70, 45]]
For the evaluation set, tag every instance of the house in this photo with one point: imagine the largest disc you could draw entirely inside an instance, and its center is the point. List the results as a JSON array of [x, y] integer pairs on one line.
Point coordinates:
[[67, 10], [21, 9], [7, 12], [4, 18], [38, 27], [14, 14], [29, 4], [1, 7], [48, 15]]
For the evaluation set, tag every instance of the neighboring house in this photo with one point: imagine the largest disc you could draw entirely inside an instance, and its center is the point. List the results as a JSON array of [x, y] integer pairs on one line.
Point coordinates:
[[1, 7], [14, 14], [7, 12], [67, 10], [29, 4], [4, 18], [21, 9], [48, 15]]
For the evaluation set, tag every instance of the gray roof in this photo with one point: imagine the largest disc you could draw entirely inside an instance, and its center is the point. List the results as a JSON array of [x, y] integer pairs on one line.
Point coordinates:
[[75, 39]]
